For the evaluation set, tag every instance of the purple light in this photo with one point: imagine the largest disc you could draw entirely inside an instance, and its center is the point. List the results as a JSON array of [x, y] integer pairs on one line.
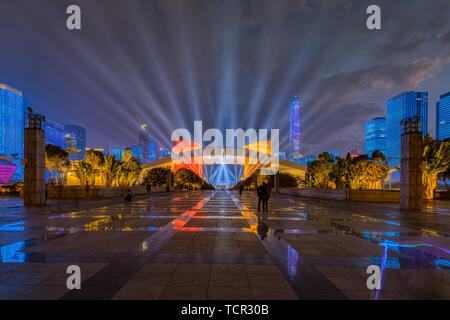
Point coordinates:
[[6, 172]]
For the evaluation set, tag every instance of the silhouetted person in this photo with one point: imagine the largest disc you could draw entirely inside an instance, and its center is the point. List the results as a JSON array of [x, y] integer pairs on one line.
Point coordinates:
[[261, 196], [149, 189], [240, 190], [128, 196]]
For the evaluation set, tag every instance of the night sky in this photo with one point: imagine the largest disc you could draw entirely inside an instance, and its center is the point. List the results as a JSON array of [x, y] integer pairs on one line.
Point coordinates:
[[231, 63]]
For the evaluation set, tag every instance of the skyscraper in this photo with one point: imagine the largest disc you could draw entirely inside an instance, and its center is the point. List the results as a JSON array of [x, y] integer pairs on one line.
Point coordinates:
[[78, 136], [117, 151], [405, 105], [136, 152], [375, 135], [294, 129], [152, 155], [443, 117], [55, 134], [11, 127], [143, 142]]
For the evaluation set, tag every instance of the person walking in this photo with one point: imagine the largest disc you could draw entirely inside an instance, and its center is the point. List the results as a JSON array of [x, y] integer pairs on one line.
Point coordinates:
[[261, 196]]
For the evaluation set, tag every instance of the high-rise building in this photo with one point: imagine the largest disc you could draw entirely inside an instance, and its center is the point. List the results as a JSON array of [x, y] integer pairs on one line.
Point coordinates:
[[406, 105], [443, 117], [375, 135], [11, 127], [55, 134], [77, 136], [117, 151], [152, 155], [143, 142], [164, 152], [136, 152], [294, 129]]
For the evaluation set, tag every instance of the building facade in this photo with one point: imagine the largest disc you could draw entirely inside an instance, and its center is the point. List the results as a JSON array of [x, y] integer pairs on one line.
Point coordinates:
[[143, 142], [11, 127], [55, 134], [375, 136], [152, 154], [117, 151], [406, 105], [77, 136], [294, 129], [136, 152], [443, 117]]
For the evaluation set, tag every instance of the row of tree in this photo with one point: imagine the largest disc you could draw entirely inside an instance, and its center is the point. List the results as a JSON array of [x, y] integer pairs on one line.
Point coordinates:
[[361, 172], [94, 169], [364, 172], [182, 179]]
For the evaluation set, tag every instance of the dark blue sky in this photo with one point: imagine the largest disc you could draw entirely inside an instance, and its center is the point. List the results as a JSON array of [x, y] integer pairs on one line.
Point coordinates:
[[232, 64]]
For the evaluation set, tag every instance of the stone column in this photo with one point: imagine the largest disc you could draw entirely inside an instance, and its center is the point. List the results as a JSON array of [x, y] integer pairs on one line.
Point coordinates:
[[34, 171], [411, 166]]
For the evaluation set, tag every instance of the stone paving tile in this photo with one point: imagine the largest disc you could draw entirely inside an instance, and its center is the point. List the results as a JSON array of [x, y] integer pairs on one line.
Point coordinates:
[[188, 280], [184, 293], [325, 257], [228, 268], [228, 280], [273, 294], [137, 291], [229, 293]]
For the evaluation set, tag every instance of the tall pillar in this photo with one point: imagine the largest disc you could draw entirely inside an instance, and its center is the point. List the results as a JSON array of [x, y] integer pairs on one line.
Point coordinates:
[[411, 166], [34, 173]]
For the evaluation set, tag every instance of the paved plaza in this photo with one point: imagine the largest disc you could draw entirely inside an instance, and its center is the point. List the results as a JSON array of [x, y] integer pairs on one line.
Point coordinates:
[[205, 245]]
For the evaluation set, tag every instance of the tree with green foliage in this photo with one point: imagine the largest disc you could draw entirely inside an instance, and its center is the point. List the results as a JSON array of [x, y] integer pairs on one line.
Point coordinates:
[[186, 179], [157, 176], [436, 157], [56, 164], [95, 159]]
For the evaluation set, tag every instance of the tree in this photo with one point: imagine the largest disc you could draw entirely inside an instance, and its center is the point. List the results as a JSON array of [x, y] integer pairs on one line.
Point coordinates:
[[318, 172], [71, 149], [157, 176], [130, 169], [185, 178], [436, 156], [83, 171], [110, 170], [56, 164], [96, 160]]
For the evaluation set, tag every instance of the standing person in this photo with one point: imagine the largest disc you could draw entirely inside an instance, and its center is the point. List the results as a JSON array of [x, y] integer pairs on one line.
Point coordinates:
[[261, 196], [240, 190], [149, 190], [128, 196], [267, 197]]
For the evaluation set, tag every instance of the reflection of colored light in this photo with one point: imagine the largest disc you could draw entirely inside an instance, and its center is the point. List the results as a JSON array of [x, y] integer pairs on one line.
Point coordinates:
[[10, 253], [292, 260], [394, 223], [13, 226], [442, 262]]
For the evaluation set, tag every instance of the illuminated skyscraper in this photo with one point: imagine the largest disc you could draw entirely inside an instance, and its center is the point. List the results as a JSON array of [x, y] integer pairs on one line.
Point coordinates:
[[143, 142], [406, 105], [78, 136], [294, 129], [117, 151], [55, 134], [375, 135], [443, 117], [11, 127], [152, 155], [136, 152]]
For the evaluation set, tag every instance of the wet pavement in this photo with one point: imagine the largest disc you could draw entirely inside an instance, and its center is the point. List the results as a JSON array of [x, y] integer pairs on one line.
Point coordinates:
[[215, 245]]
